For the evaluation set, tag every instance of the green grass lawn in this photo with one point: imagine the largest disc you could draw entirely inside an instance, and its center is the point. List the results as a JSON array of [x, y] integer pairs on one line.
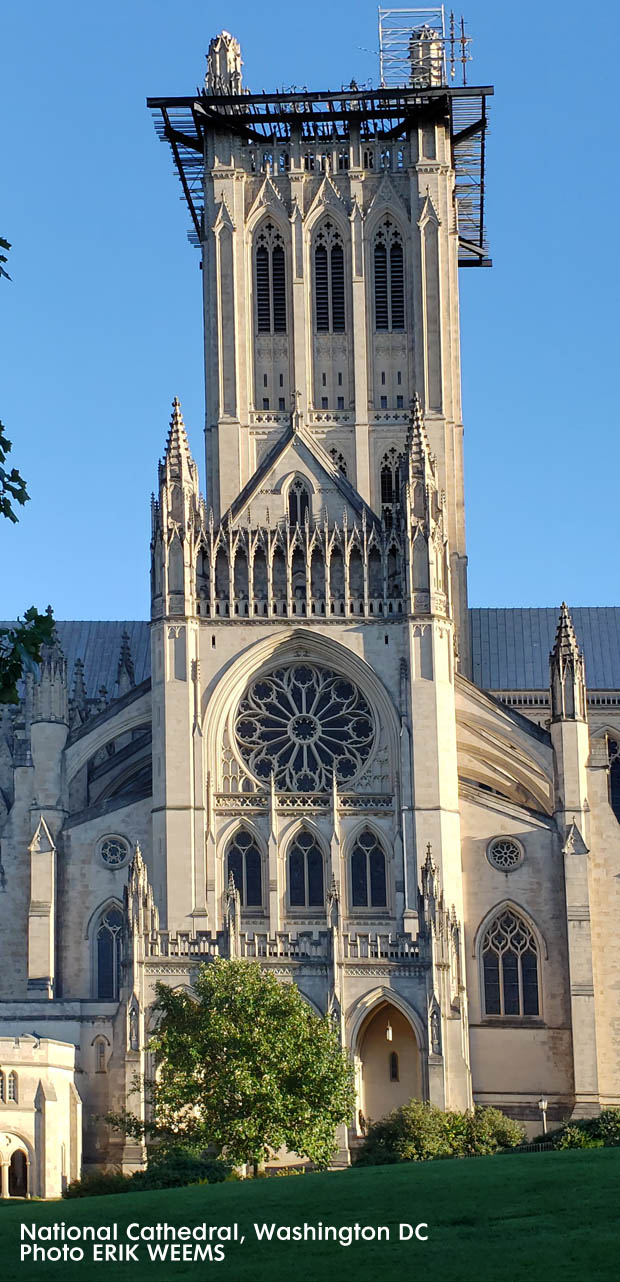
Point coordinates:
[[548, 1216]]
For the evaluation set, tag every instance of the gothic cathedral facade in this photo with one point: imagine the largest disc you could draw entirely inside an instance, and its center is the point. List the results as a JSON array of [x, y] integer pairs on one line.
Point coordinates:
[[298, 767]]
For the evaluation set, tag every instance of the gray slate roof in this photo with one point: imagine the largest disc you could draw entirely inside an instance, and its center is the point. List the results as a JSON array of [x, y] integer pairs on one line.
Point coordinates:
[[510, 648], [98, 644]]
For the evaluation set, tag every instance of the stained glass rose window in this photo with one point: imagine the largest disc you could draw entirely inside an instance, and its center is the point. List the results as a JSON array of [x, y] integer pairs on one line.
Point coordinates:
[[304, 724]]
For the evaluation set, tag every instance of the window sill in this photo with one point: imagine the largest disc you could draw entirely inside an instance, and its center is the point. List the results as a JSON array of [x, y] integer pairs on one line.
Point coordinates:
[[511, 1021]]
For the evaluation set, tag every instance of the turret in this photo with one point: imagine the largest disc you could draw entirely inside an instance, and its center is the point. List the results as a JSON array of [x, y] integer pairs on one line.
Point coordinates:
[[174, 519], [426, 543], [568, 683], [571, 747]]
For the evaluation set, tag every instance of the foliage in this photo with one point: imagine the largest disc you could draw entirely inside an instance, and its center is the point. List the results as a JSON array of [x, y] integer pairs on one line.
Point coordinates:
[[245, 1066], [178, 1170], [576, 1137], [20, 650], [608, 1126], [12, 485], [419, 1132], [98, 1184], [587, 1132]]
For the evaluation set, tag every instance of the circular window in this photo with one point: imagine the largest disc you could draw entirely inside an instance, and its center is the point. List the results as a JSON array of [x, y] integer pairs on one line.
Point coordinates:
[[504, 853], [114, 851], [304, 724]]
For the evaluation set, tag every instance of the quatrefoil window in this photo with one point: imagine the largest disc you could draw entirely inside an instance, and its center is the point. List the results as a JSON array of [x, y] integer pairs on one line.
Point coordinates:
[[304, 724]]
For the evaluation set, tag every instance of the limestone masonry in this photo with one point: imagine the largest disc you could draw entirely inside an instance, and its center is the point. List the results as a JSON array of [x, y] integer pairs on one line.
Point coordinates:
[[306, 770]]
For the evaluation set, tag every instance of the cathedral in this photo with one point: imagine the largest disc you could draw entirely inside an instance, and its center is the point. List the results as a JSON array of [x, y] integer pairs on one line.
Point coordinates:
[[315, 755]]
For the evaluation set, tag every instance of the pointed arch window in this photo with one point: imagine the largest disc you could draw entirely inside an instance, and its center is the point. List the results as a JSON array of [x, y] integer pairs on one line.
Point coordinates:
[[613, 750], [2, 1088], [244, 863], [391, 480], [109, 954], [270, 281], [389, 265], [329, 280], [298, 503], [12, 1090], [368, 881], [510, 967], [305, 872]]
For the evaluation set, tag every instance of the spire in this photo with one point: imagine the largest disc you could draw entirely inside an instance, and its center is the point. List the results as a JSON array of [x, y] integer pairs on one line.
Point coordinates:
[[419, 456], [568, 682], [125, 675], [178, 452]]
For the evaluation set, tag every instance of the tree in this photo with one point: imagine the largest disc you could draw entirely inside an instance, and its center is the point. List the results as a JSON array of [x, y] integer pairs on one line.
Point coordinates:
[[20, 646], [244, 1065]]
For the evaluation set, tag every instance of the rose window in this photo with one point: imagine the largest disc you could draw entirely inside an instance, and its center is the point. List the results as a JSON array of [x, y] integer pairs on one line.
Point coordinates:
[[505, 854], [304, 724]]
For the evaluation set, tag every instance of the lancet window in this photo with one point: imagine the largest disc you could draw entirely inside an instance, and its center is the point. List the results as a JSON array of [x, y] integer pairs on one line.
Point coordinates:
[[368, 883], [12, 1094], [510, 967], [2, 1088], [389, 267], [298, 503], [109, 948], [329, 280], [613, 748], [270, 281], [391, 481], [244, 863], [305, 872]]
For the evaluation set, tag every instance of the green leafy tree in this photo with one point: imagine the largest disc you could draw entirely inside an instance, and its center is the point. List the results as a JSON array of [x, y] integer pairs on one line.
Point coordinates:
[[20, 650], [245, 1066], [20, 646]]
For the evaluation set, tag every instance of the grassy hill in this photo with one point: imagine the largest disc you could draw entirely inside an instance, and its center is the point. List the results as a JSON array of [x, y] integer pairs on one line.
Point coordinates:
[[548, 1216]]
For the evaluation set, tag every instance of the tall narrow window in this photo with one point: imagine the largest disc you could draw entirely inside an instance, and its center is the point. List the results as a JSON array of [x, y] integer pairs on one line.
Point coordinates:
[[245, 865], [389, 268], [109, 943], [391, 480], [12, 1087], [305, 872], [510, 967], [298, 503], [368, 884], [329, 280], [394, 1073], [270, 281], [613, 749], [2, 1089]]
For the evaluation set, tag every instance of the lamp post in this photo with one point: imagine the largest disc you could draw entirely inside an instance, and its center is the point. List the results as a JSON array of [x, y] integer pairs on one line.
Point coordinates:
[[543, 1104]]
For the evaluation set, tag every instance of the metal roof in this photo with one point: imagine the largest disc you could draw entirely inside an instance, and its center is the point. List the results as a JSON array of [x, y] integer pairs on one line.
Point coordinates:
[[510, 648], [98, 645]]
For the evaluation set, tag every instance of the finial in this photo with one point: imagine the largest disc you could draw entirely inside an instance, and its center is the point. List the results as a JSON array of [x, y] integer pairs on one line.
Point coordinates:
[[125, 674]]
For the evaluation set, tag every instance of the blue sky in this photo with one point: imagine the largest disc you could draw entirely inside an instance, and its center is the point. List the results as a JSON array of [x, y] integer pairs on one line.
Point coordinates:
[[101, 326]]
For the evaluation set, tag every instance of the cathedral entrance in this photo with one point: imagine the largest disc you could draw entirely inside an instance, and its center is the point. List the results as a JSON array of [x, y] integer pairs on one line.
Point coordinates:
[[18, 1174], [389, 1055]]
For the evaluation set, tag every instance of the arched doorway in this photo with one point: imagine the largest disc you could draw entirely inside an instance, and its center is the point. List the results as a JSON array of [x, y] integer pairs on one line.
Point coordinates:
[[18, 1174], [391, 1070]]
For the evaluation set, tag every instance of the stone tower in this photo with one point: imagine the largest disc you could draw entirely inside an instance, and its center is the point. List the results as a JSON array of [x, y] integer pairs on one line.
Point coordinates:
[[309, 618]]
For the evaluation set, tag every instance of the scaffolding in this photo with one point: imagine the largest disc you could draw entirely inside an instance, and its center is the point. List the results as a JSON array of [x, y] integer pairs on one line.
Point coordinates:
[[420, 47]]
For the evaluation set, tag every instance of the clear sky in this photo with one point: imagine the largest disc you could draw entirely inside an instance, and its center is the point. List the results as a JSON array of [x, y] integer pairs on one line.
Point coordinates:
[[101, 326]]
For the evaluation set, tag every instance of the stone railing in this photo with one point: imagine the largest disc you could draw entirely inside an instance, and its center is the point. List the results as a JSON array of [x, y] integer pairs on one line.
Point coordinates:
[[294, 946]]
